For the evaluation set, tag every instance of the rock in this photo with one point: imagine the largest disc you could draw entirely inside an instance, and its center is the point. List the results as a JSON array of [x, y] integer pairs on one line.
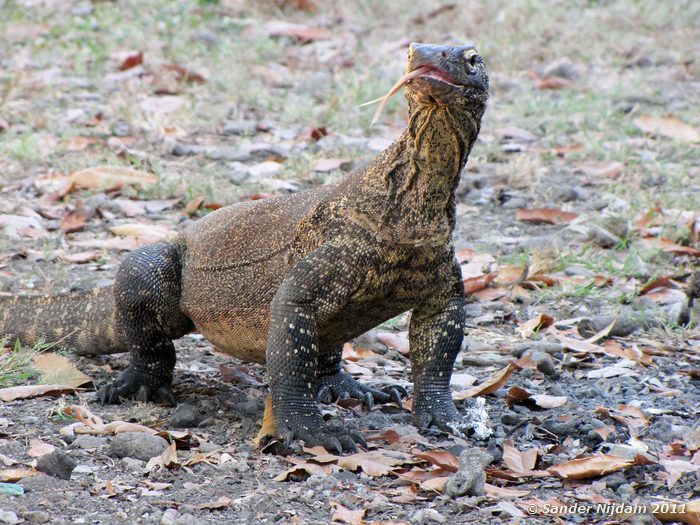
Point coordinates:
[[208, 446], [515, 203], [470, 478], [7, 516], [36, 516], [240, 127], [184, 150], [186, 416], [549, 347], [169, 517], [138, 445], [56, 464], [228, 153], [233, 466], [428, 516], [562, 67], [134, 465], [626, 492], [542, 361], [86, 442]]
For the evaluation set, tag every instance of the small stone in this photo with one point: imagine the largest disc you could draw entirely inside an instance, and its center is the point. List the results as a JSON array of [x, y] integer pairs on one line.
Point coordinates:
[[138, 445], [269, 167], [7, 516], [233, 466], [186, 416], [188, 519], [240, 127], [208, 446], [563, 68], [184, 150], [169, 517], [56, 464], [626, 492], [542, 361], [134, 465], [428, 516], [515, 203], [36, 516], [87, 442]]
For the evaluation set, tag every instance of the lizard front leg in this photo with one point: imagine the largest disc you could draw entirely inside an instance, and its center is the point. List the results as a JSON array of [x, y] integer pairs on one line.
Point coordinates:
[[435, 338], [336, 383], [315, 290]]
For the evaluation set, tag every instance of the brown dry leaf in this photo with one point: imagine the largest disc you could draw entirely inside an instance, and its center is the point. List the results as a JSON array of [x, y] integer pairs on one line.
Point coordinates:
[[435, 484], [326, 165], [605, 169], [577, 345], [504, 492], [534, 325], [489, 386], [545, 215], [510, 274], [192, 206], [167, 459], [121, 244], [10, 475], [105, 177], [144, 231], [306, 469], [517, 395], [679, 511], [29, 391], [300, 32], [81, 257], [676, 468], [591, 466], [75, 220], [441, 458], [344, 515], [221, 503], [668, 127], [57, 369], [547, 401], [132, 59], [632, 353], [669, 246], [376, 462], [184, 74], [78, 143], [350, 353], [476, 284], [555, 83], [39, 448], [519, 463]]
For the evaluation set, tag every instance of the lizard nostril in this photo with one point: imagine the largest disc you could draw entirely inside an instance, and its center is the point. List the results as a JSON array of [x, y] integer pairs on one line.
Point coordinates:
[[444, 54]]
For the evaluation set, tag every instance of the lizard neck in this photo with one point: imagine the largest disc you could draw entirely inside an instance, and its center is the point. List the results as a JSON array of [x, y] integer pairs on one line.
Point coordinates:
[[412, 184]]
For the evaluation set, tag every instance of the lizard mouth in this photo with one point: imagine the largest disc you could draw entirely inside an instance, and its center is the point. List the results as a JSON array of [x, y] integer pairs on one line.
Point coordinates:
[[434, 74]]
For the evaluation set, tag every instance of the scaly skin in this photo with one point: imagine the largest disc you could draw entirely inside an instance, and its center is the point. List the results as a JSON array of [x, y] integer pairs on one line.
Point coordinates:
[[287, 280]]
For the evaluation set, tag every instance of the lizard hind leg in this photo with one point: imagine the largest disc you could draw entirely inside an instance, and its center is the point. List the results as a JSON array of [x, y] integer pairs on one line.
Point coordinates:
[[147, 295]]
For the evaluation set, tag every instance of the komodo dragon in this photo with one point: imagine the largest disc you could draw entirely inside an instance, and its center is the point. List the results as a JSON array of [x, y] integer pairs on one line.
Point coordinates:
[[287, 280]]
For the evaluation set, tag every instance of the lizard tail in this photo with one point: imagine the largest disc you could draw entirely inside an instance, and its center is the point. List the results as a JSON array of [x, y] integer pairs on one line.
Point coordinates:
[[83, 322]]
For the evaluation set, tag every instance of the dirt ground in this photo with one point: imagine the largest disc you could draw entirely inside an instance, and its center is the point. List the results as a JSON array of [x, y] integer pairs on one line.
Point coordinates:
[[580, 206]]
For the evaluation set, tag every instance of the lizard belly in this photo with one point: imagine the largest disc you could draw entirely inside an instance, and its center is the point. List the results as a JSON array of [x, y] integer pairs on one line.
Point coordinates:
[[241, 333]]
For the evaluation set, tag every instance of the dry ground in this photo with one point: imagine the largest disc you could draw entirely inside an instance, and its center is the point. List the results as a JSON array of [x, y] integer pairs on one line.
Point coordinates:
[[593, 125]]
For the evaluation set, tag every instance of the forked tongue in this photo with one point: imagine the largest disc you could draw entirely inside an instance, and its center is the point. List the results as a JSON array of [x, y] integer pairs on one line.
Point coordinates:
[[399, 84]]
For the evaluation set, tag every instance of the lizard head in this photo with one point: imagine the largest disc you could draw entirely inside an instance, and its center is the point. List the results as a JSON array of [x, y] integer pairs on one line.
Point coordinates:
[[453, 76]]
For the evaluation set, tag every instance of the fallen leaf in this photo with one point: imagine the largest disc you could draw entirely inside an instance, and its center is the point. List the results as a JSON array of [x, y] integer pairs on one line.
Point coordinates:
[[75, 220], [344, 515], [150, 232], [166, 459], [534, 325], [39, 448], [303, 469], [10, 475], [545, 215], [57, 369], [441, 458], [669, 246], [624, 367], [105, 177], [504, 492], [132, 59], [678, 511], [376, 462], [555, 83], [81, 257], [397, 341], [29, 391], [519, 463], [605, 169], [676, 468], [300, 32], [496, 381], [591, 466], [185, 74], [668, 127], [476, 284]]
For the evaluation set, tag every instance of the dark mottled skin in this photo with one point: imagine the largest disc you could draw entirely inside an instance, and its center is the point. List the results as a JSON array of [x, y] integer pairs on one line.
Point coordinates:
[[287, 280]]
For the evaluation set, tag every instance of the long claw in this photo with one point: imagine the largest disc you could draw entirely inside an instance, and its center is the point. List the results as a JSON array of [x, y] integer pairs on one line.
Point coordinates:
[[324, 395], [368, 401]]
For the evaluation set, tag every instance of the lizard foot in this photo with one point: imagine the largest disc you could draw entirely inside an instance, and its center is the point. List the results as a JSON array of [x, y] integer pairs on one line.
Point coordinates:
[[315, 432], [441, 412], [342, 385], [143, 386]]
